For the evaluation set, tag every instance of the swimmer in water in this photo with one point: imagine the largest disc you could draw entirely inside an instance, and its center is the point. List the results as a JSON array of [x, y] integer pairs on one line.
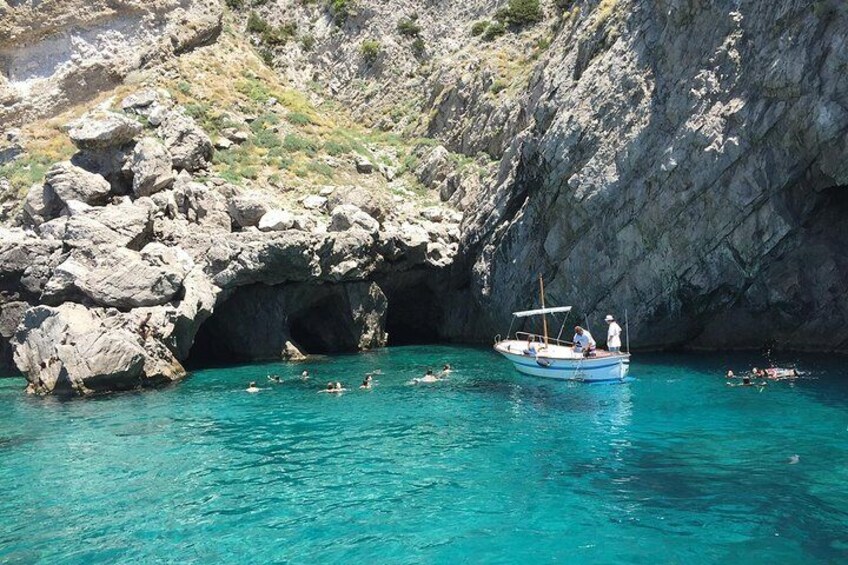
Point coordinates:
[[333, 388], [428, 377], [275, 378], [304, 375], [447, 369], [730, 375], [252, 387], [366, 383]]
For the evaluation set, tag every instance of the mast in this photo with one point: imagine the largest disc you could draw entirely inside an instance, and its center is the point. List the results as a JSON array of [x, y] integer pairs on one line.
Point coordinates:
[[544, 316]]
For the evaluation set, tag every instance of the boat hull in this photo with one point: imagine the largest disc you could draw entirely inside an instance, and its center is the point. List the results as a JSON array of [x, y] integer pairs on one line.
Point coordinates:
[[608, 368]]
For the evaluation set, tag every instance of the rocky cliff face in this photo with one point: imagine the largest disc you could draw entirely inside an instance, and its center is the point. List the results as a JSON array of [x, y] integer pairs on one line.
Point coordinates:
[[682, 160], [112, 279], [57, 53], [687, 161]]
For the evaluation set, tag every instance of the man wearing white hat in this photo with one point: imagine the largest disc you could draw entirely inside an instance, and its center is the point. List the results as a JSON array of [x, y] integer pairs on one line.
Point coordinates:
[[613, 335]]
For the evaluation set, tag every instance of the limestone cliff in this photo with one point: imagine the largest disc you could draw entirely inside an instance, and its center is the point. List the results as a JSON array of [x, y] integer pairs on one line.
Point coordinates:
[[681, 160], [687, 161], [55, 53]]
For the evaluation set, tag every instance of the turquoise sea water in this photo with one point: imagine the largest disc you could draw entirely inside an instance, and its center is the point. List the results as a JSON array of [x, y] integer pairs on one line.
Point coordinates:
[[490, 466]]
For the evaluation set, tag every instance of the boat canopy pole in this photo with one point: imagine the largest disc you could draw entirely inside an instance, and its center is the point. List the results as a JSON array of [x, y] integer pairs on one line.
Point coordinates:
[[544, 315], [627, 330], [562, 327]]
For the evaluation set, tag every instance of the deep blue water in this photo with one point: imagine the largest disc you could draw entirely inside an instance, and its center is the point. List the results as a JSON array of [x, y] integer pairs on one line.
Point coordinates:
[[490, 466]]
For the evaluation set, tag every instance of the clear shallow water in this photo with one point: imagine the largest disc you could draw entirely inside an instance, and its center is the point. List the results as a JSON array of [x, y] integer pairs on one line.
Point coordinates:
[[490, 466]]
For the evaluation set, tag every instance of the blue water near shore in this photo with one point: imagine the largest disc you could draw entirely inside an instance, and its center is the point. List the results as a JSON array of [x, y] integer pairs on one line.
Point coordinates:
[[489, 466]]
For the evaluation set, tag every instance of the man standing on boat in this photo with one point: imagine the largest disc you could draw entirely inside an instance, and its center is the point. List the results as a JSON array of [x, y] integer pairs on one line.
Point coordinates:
[[613, 335], [583, 341]]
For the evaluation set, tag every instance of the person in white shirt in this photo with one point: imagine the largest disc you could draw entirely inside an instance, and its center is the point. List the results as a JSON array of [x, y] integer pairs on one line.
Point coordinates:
[[613, 335], [583, 341]]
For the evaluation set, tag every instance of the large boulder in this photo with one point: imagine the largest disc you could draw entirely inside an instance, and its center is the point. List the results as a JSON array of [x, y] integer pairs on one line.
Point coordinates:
[[127, 225], [203, 205], [277, 220], [374, 205], [69, 182], [103, 130], [122, 278], [247, 209], [72, 349], [347, 216], [190, 147], [40, 205], [151, 167]]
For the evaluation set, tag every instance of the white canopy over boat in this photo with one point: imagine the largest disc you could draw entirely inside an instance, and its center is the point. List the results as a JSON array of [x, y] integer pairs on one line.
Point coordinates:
[[540, 311]]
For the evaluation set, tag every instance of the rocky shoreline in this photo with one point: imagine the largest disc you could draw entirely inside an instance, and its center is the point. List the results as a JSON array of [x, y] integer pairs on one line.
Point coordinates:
[[127, 249]]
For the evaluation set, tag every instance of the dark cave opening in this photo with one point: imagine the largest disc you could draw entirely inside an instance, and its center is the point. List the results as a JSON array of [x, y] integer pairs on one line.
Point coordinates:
[[321, 329], [414, 313], [211, 349]]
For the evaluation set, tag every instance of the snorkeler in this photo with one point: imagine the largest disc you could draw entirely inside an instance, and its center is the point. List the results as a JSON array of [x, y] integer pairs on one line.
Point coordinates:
[[252, 387], [447, 369], [366, 383], [305, 375], [275, 378]]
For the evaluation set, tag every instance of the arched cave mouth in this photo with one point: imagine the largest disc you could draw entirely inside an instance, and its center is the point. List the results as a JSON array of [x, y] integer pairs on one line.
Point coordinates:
[[254, 323], [415, 310]]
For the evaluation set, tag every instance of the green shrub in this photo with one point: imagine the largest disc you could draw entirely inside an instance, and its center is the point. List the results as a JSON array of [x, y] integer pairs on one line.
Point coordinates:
[[255, 23], [370, 49], [479, 27], [497, 86], [340, 9], [298, 119], [307, 42], [267, 57], [409, 26], [418, 46], [336, 148], [495, 29], [235, 4], [279, 35], [321, 168], [520, 12], [294, 143]]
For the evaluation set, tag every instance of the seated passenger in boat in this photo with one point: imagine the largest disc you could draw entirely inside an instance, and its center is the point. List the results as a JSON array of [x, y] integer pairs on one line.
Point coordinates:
[[584, 342], [531, 346]]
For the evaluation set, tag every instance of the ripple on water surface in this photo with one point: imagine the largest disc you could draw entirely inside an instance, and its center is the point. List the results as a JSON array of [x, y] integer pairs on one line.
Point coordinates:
[[489, 466]]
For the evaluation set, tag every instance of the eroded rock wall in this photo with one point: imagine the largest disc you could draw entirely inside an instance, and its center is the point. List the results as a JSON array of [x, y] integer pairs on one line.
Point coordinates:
[[686, 161], [57, 53]]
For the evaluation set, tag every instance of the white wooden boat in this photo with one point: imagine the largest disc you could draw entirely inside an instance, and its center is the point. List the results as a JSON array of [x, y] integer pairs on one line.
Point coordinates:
[[542, 356]]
